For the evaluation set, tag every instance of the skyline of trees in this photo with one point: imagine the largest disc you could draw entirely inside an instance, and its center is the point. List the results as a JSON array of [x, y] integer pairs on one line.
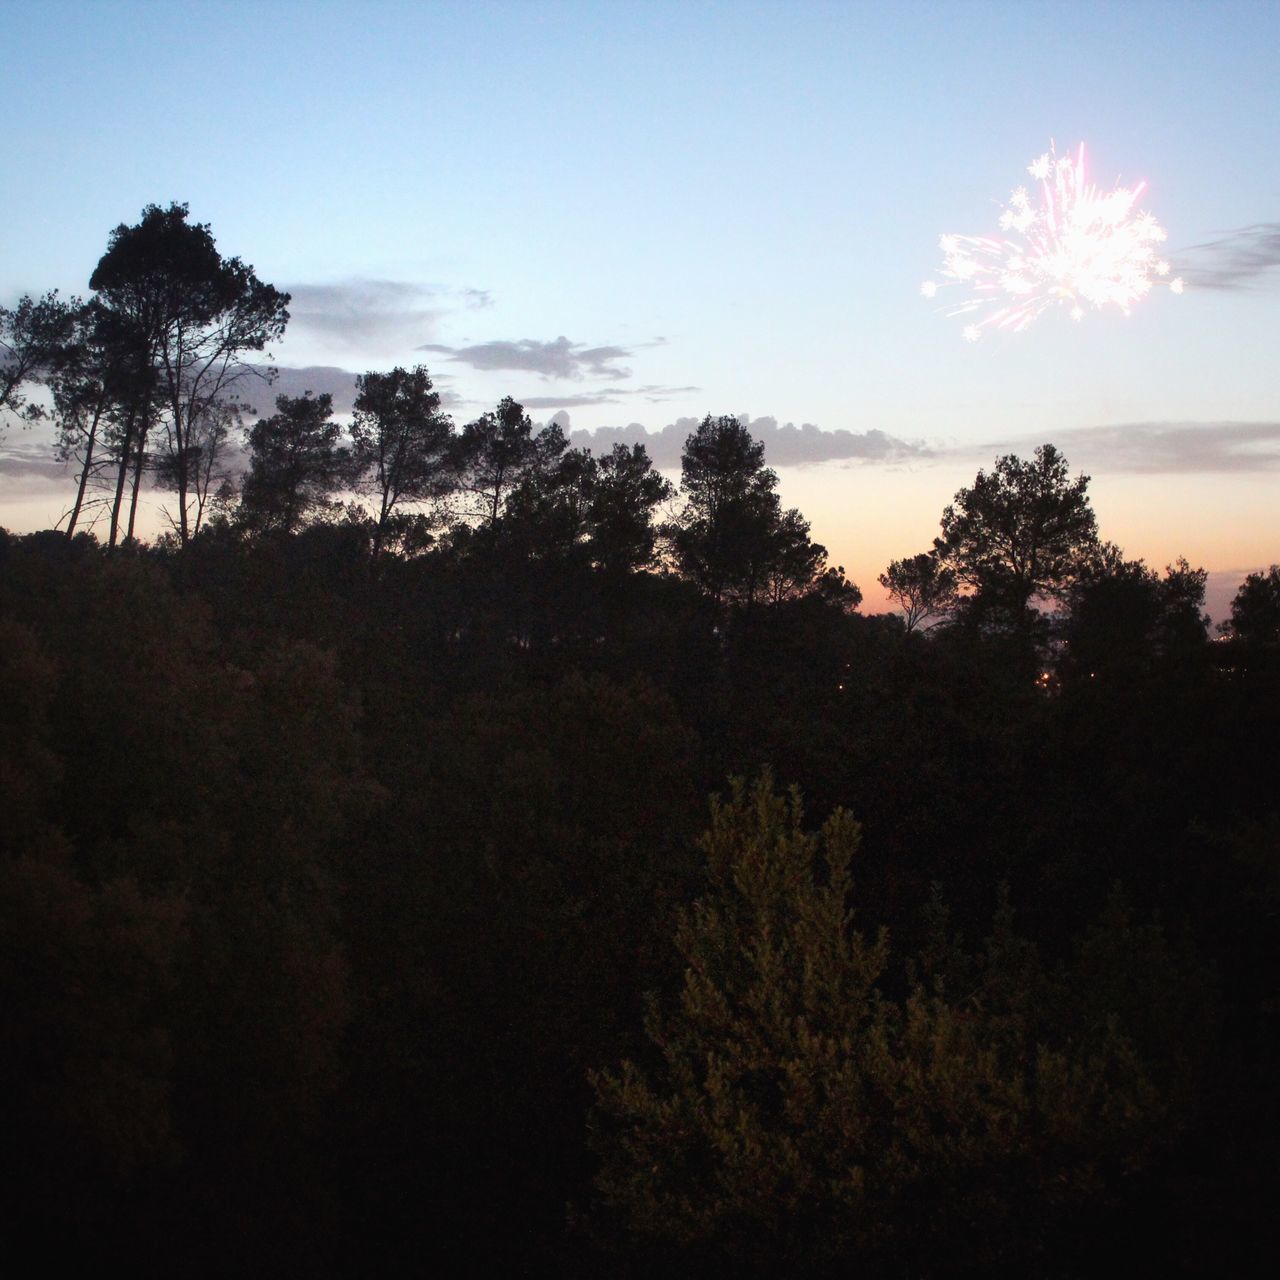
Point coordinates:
[[156, 357]]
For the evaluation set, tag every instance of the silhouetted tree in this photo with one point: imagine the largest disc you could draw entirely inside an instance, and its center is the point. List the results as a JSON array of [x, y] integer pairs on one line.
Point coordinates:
[[624, 496], [548, 513], [1022, 530], [733, 538], [921, 587], [295, 465], [108, 363], [1255, 611], [210, 424], [731, 506], [1122, 617], [794, 560], [497, 451], [84, 405], [193, 315], [401, 442], [32, 337]]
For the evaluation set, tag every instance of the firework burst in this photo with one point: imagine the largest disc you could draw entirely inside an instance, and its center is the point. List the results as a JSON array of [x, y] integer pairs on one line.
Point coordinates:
[[1071, 246]]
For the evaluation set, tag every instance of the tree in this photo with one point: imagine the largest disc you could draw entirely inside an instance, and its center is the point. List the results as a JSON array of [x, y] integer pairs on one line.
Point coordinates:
[[493, 454], [797, 1116], [1122, 618], [548, 512], [733, 538], [1255, 611], [211, 424], [626, 492], [401, 442], [731, 505], [922, 588], [32, 337], [296, 463], [191, 315], [1023, 530], [82, 386]]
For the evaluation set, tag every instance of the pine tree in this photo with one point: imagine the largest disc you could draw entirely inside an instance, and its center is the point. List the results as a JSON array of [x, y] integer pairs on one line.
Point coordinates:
[[796, 1116]]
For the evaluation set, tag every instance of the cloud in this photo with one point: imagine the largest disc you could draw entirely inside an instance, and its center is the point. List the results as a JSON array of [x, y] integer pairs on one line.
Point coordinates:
[[569, 402], [1155, 448], [651, 393], [361, 313], [1238, 260], [558, 359], [785, 445], [319, 379], [27, 461]]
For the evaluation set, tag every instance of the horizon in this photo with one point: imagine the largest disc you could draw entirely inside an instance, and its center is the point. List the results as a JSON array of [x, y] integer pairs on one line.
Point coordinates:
[[633, 219]]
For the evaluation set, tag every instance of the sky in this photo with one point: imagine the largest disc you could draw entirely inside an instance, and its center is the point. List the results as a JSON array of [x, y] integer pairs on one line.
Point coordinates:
[[632, 215]]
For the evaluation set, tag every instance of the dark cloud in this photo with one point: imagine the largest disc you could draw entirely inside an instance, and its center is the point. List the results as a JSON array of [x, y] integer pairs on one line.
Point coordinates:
[[1237, 260], [362, 313], [785, 445], [558, 359], [1155, 448]]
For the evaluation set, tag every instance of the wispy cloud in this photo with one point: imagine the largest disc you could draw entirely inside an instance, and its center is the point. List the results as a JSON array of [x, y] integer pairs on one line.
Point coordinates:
[[785, 445], [556, 359], [320, 379], [1239, 259], [27, 462], [652, 393], [362, 314], [1155, 448]]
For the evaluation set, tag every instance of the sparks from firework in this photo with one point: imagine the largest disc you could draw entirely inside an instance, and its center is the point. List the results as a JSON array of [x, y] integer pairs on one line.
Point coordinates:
[[1078, 248]]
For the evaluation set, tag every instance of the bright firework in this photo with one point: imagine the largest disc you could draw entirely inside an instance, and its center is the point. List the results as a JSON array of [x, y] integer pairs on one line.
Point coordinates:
[[1077, 247]]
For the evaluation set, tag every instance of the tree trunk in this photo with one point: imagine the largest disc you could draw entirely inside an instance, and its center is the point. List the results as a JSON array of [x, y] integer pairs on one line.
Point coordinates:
[[183, 460], [121, 475], [137, 472], [84, 473], [380, 532]]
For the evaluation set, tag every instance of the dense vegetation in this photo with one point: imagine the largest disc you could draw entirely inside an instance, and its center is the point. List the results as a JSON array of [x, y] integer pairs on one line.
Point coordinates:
[[364, 911]]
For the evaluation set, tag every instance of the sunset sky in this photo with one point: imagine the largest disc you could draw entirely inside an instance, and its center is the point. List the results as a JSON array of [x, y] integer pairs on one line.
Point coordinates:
[[636, 214]]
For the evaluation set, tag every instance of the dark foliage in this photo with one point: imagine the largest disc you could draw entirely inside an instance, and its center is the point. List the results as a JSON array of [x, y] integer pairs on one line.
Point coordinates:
[[355, 920]]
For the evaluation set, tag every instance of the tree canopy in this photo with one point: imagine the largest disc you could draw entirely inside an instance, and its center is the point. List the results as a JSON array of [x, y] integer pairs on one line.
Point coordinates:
[[1255, 611], [401, 442], [295, 464], [188, 315], [733, 538], [1022, 530], [33, 336]]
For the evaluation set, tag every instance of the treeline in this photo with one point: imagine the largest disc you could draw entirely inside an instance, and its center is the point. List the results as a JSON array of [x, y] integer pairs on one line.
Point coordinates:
[[361, 911], [149, 378]]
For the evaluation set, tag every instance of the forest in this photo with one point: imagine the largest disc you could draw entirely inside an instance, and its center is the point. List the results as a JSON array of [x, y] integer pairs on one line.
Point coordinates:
[[444, 850]]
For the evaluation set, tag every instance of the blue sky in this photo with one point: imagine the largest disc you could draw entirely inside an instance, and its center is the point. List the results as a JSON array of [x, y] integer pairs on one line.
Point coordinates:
[[740, 199]]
